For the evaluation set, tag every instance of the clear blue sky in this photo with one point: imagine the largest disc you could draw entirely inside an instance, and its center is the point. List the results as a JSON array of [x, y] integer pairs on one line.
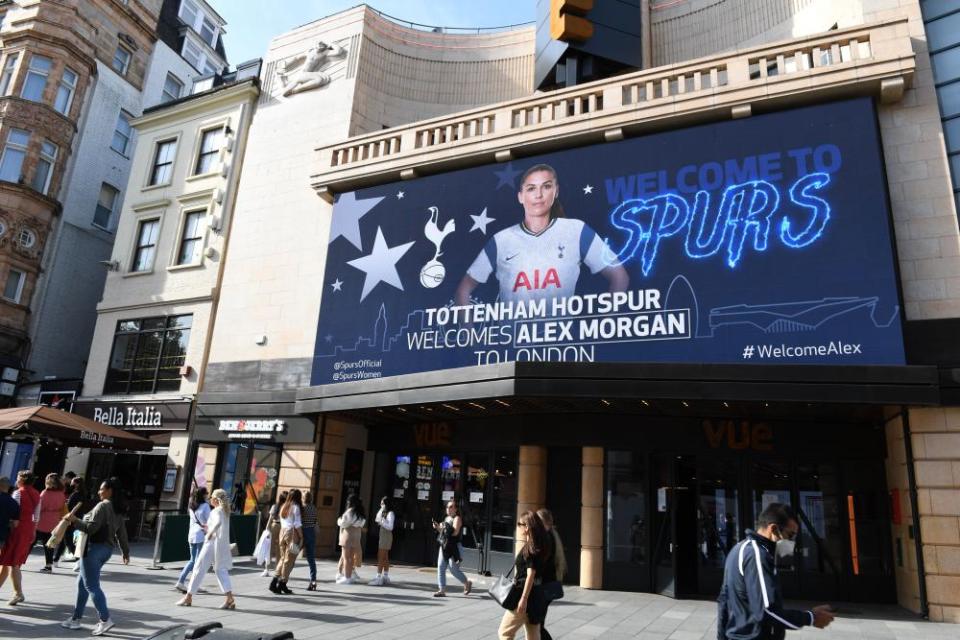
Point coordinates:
[[251, 24]]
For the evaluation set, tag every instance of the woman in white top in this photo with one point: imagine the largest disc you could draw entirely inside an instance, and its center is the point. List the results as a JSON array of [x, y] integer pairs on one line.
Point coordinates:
[[291, 540], [215, 551], [199, 512], [351, 524], [386, 519]]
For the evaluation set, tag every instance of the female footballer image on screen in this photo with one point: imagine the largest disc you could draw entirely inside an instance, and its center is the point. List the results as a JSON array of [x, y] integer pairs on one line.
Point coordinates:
[[541, 256]]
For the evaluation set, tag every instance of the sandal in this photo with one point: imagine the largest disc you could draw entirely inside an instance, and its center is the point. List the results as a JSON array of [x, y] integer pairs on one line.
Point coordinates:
[[183, 602], [231, 604], [312, 586], [467, 588], [439, 594]]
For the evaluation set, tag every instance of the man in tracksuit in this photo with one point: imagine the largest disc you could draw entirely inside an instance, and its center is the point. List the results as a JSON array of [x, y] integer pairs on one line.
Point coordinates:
[[750, 605]]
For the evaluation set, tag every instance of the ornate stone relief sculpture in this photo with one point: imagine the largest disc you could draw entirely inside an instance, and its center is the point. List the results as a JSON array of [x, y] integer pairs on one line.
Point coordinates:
[[303, 72]]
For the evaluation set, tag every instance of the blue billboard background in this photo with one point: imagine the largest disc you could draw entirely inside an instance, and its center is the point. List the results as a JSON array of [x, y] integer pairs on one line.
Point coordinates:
[[764, 240]]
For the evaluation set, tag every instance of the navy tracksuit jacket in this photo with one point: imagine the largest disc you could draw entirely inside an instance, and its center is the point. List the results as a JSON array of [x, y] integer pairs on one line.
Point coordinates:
[[750, 605]]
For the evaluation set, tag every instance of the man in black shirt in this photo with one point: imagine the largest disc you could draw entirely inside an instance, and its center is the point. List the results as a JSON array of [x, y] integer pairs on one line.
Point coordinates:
[[750, 605]]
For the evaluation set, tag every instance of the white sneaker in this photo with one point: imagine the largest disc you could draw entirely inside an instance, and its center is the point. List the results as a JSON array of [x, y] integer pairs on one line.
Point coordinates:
[[386, 580], [345, 580], [338, 578], [72, 623], [356, 574], [376, 582], [102, 627], [266, 572]]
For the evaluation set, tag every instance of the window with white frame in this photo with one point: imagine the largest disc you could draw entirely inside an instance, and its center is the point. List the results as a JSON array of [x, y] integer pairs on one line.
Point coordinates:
[[13, 288], [191, 238], [44, 172], [172, 88], [122, 133], [68, 84], [9, 68], [121, 60], [210, 143], [209, 68], [189, 11], [106, 204], [38, 73], [146, 248], [192, 54], [27, 238], [208, 31], [163, 157], [14, 151]]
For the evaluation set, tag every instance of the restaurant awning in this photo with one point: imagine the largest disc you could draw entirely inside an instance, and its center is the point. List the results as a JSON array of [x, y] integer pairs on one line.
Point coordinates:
[[68, 428]]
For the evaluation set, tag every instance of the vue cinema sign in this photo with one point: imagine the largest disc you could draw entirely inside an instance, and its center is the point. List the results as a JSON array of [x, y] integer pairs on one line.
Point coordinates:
[[764, 240]]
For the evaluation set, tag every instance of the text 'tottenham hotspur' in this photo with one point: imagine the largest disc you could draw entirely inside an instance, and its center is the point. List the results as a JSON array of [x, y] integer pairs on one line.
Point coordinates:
[[537, 329]]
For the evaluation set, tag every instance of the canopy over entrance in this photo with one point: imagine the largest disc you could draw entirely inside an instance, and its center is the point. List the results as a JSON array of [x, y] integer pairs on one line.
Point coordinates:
[[70, 429]]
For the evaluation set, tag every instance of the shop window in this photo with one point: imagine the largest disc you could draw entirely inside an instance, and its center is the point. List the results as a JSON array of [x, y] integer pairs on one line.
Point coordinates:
[[121, 60], [13, 289], [503, 521], [191, 238], [718, 518], [162, 169], [210, 143], [627, 529], [148, 354], [68, 85], [45, 164], [251, 470], [146, 248], [121, 133], [172, 88], [9, 69], [820, 539], [106, 203], [14, 152], [37, 74]]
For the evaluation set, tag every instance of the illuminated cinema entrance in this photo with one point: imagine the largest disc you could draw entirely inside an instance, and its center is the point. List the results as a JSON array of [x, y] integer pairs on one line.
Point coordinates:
[[673, 515]]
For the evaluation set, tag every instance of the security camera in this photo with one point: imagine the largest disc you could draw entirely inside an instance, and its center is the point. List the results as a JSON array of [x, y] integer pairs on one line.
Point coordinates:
[[111, 265]]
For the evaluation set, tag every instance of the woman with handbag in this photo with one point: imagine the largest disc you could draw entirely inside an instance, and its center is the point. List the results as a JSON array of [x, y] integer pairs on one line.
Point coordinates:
[[351, 526], [291, 541], [215, 552], [555, 569], [76, 500], [103, 527], [22, 535], [449, 534], [53, 504], [199, 512], [524, 606]]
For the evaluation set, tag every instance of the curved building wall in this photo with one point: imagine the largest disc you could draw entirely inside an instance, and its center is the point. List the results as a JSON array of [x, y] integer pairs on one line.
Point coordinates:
[[404, 75], [687, 29]]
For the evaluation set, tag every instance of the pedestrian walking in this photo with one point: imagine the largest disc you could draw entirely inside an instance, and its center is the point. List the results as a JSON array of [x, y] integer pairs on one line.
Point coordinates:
[[104, 527], [530, 566], [22, 535], [386, 519], [273, 524], [291, 540], [215, 552], [9, 511], [750, 603], [449, 534], [555, 568], [77, 496], [351, 525], [309, 520], [53, 506], [199, 512]]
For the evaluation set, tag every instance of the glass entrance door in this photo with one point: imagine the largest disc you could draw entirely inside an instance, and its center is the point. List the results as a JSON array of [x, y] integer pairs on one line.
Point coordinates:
[[675, 526]]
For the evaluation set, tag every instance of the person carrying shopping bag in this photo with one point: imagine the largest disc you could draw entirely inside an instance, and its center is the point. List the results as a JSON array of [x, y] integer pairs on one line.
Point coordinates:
[[215, 552]]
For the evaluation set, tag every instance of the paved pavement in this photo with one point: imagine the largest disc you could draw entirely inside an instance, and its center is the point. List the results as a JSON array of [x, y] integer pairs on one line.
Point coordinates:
[[142, 601]]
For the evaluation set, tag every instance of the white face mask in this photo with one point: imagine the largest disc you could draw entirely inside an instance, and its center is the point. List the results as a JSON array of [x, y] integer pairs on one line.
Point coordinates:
[[785, 554]]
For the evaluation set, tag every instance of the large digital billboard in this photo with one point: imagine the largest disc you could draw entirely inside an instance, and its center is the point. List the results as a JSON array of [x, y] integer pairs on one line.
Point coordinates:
[[764, 240]]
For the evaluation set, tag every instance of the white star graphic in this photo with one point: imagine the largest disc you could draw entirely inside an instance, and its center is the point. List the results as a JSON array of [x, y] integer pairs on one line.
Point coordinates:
[[400, 195], [337, 285], [588, 189], [346, 217], [381, 264], [481, 221]]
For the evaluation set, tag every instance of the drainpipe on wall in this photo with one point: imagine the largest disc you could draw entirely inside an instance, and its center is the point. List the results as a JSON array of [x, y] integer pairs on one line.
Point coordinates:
[[915, 509]]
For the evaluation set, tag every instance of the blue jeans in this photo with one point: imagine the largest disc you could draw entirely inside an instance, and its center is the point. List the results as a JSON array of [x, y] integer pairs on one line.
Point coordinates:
[[310, 550], [88, 582], [194, 552], [443, 564]]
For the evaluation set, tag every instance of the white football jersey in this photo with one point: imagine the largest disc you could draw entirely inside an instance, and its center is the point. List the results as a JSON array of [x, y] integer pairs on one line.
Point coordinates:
[[531, 266]]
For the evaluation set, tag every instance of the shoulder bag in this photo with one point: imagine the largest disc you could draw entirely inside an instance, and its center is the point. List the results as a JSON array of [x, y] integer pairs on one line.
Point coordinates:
[[505, 591]]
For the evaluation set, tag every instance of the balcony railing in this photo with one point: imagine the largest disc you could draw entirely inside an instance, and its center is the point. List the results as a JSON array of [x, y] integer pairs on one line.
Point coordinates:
[[874, 59]]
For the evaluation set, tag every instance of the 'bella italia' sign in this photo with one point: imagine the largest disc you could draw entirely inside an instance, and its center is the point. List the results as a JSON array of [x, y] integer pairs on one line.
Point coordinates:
[[137, 416]]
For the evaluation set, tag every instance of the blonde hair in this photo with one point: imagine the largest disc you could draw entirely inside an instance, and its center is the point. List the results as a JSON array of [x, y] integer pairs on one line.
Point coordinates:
[[222, 501]]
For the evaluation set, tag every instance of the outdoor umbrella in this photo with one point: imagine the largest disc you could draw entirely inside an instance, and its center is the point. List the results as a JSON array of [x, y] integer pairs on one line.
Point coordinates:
[[68, 428]]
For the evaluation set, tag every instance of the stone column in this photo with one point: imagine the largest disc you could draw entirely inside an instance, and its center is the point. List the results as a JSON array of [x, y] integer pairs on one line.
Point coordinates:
[[330, 482], [591, 519], [531, 480]]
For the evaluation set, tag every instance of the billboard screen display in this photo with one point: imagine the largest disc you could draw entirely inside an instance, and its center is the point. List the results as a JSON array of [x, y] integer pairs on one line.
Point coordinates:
[[764, 240]]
